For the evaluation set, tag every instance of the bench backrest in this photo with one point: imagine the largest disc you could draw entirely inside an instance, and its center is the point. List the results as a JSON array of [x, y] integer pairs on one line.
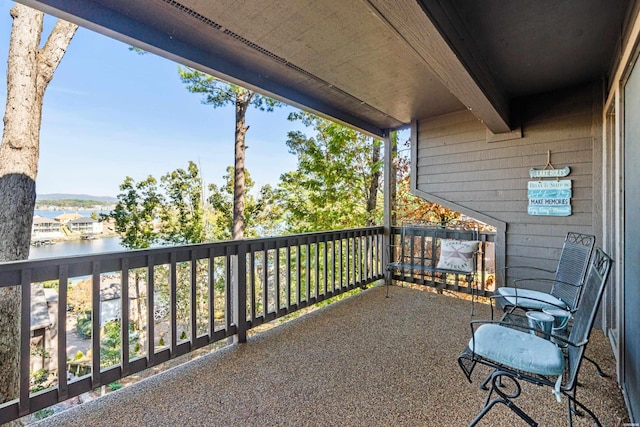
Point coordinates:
[[419, 243]]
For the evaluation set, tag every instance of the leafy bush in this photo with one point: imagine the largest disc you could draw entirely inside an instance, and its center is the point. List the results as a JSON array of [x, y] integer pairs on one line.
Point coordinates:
[[43, 413], [37, 379], [114, 386], [83, 325]]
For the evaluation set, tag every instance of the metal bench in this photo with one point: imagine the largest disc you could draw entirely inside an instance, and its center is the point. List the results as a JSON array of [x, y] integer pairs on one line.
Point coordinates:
[[417, 256]]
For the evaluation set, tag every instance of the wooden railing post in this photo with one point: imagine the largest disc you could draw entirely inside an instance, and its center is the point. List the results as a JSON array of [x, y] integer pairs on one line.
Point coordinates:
[[239, 285]]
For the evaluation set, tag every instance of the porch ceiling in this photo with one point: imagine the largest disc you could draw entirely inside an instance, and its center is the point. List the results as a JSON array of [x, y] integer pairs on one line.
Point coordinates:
[[373, 64]]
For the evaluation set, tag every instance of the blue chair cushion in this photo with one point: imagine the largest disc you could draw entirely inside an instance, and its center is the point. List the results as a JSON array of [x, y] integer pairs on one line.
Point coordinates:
[[529, 299], [517, 349]]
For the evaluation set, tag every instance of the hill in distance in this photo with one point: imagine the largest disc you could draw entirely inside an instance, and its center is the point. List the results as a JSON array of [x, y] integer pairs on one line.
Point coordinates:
[[64, 196]]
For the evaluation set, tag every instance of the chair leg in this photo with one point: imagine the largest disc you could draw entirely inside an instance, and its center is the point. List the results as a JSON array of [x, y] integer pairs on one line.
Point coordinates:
[[504, 398], [571, 399], [573, 409], [483, 386]]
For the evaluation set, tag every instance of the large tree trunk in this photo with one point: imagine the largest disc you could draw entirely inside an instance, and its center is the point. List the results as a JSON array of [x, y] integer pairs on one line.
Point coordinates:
[[29, 71], [243, 99]]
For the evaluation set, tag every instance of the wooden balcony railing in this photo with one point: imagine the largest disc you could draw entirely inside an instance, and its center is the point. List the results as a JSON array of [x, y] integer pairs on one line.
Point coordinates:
[[170, 301]]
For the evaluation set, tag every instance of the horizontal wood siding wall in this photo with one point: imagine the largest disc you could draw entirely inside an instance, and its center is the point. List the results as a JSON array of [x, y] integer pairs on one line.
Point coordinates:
[[455, 163]]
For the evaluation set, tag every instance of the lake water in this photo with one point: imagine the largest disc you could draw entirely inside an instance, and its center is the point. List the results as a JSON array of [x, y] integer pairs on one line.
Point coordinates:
[[76, 247]]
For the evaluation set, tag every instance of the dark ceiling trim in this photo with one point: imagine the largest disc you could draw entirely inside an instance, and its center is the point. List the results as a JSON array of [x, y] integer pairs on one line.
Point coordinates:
[[416, 22], [113, 24], [446, 18]]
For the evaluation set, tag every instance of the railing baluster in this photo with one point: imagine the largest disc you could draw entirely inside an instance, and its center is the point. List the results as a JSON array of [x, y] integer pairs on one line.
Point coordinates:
[[298, 273], [288, 284], [63, 286], [366, 257], [265, 283], [25, 334], [173, 301], [228, 290], [150, 310], [349, 259], [307, 275], [316, 268], [341, 264], [95, 324], [211, 293], [193, 299], [333, 264], [240, 288], [124, 316], [252, 285], [276, 276], [355, 268], [325, 280]]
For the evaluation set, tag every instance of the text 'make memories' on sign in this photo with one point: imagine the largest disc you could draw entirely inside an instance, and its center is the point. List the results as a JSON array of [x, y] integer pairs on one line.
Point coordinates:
[[549, 198]]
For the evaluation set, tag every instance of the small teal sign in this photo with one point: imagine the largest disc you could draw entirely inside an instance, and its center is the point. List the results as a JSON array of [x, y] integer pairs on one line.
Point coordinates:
[[549, 198]]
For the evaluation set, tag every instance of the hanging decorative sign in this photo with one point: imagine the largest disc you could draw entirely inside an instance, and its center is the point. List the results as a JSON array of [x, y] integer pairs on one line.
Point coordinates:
[[549, 173], [549, 198]]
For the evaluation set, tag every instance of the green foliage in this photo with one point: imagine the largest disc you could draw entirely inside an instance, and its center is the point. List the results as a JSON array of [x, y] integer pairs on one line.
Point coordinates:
[[114, 386], [331, 187], [110, 346], [37, 380], [182, 214], [134, 215], [50, 284], [40, 351], [170, 213], [218, 93], [84, 324], [71, 203], [43, 413], [410, 208], [40, 376], [262, 215]]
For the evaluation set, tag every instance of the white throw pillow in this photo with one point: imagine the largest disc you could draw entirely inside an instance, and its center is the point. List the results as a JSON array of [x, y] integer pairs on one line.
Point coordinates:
[[457, 254]]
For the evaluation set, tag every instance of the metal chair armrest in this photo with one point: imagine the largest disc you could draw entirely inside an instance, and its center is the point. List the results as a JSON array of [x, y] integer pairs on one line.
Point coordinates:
[[515, 282], [532, 299]]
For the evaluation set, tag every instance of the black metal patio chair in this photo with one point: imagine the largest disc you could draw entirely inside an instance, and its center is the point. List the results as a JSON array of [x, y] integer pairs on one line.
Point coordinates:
[[565, 287], [514, 353]]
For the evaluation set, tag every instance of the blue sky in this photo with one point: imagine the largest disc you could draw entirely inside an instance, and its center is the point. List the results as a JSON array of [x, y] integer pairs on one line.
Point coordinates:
[[110, 113]]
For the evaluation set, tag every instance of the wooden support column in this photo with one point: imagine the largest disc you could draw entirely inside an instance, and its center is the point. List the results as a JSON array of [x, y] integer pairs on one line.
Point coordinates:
[[386, 236]]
